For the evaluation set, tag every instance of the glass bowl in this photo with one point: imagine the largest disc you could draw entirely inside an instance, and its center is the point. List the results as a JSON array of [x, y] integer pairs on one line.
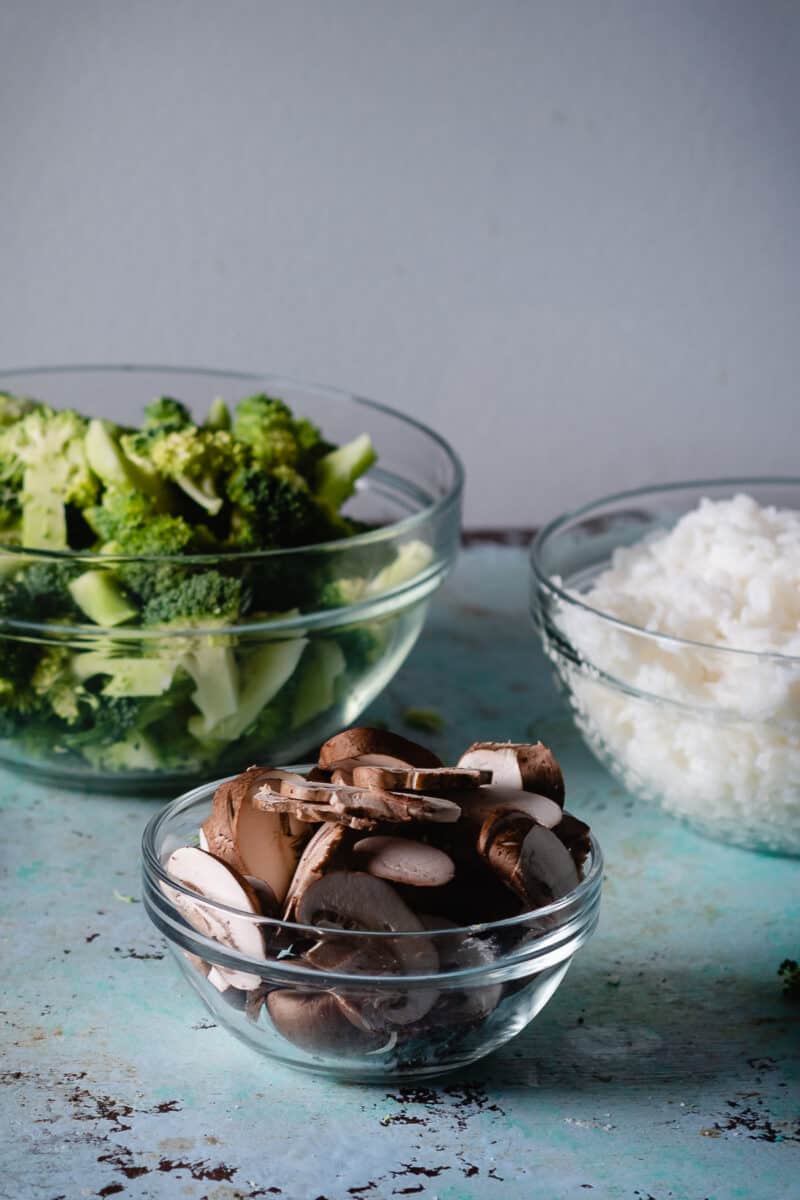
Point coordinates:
[[711, 734], [214, 700], [491, 980]]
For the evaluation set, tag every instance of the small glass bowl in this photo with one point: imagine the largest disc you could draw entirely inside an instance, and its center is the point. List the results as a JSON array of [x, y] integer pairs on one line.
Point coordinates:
[[291, 679], [492, 979], [649, 704]]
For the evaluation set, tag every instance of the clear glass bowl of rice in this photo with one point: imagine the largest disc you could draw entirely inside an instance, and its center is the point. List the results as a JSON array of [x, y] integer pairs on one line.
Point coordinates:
[[672, 618]]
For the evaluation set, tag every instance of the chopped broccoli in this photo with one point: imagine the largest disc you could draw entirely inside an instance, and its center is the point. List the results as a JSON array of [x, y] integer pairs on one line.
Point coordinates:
[[44, 453], [202, 597], [274, 437], [219, 416], [273, 510], [99, 596], [146, 499], [166, 414], [337, 472]]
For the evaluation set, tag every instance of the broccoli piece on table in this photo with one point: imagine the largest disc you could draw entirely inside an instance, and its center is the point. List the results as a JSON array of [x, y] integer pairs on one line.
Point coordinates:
[[789, 972]]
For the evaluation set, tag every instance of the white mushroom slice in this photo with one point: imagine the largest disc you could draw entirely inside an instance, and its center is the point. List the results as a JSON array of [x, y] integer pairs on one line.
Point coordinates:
[[248, 839], [545, 859], [529, 768], [318, 856], [215, 881], [267, 900], [363, 740], [202, 839], [476, 804], [218, 980], [415, 779], [401, 860]]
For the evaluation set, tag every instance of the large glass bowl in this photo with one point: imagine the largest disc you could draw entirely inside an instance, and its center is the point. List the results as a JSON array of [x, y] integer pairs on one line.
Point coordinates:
[[286, 683], [712, 734], [491, 981]]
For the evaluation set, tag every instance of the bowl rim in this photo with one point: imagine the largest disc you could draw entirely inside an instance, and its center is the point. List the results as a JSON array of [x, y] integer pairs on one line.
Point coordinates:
[[383, 533], [583, 893], [545, 582]]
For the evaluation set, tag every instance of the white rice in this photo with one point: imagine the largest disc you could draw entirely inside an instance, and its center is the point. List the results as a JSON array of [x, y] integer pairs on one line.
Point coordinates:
[[720, 745]]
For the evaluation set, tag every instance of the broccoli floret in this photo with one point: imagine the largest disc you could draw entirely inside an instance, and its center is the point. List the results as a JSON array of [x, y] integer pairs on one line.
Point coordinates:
[[197, 460], [43, 589], [274, 438], [166, 414], [55, 684], [272, 510], [120, 510], [116, 470], [48, 447], [13, 408], [207, 595], [10, 506], [163, 536]]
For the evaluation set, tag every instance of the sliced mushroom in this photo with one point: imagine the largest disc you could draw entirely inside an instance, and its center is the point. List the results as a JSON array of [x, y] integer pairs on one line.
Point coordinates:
[[353, 956], [320, 854], [311, 814], [529, 768], [574, 833], [247, 838], [476, 804], [527, 857], [355, 900], [413, 779], [315, 1022], [267, 900], [403, 860], [362, 803], [361, 741], [455, 954], [213, 880]]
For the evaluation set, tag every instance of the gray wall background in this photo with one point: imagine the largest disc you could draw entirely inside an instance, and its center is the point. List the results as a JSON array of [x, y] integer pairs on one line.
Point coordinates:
[[564, 233]]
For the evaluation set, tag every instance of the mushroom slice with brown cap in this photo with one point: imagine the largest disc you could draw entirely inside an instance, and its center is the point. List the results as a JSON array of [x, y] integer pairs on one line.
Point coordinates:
[[403, 860], [363, 740], [356, 901], [526, 767], [367, 803], [415, 779], [213, 880], [527, 857], [311, 814], [321, 852], [314, 1021], [253, 841]]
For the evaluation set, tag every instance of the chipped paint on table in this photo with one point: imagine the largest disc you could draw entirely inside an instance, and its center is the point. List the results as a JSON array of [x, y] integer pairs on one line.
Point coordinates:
[[665, 1066]]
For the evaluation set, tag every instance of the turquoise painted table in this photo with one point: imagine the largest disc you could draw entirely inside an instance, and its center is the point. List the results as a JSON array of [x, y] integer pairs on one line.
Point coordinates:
[[663, 1068]]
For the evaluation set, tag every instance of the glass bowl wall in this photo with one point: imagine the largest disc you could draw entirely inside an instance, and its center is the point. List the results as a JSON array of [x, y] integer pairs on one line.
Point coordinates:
[[711, 734], [288, 681], [491, 980]]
